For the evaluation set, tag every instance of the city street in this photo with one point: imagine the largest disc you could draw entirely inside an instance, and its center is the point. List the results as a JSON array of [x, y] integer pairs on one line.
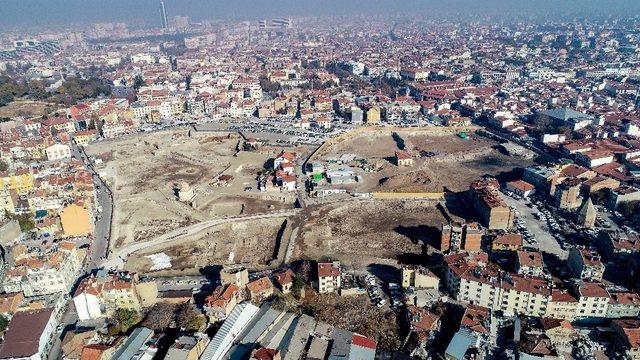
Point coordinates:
[[102, 232]]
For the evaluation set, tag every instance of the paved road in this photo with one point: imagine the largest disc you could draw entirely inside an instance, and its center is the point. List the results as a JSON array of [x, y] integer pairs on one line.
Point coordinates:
[[118, 257], [69, 318], [102, 232]]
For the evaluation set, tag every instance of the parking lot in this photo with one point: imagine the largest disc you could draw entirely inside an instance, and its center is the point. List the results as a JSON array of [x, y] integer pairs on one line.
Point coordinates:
[[538, 226]]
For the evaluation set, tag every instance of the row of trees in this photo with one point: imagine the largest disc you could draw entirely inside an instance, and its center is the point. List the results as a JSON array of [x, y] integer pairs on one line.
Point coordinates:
[[25, 220], [71, 91], [160, 317]]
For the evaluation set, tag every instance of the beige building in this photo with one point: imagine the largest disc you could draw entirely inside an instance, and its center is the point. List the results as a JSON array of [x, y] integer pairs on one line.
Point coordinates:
[[418, 277], [43, 274], [98, 297], [530, 263], [623, 304], [261, 289], [593, 299], [567, 195], [373, 115], [237, 275], [284, 280], [403, 158], [563, 305], [187, 347], [473, 280], [486, 200]]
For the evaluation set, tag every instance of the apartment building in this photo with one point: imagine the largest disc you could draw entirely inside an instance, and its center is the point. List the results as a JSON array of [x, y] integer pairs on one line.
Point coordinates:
[[623, 304], [222, 301], [486, 200], [418, 277], [562, 305], [567, 195], [593, 299], [530, 263], [101, 296], [473, 280], [329, 277], [43, 273], [458, 236]]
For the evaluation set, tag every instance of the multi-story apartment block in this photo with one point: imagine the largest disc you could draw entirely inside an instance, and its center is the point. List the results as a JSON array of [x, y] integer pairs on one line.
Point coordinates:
[[593, 299], [563, 305], [44, 273], [329, 277], [530, 263], [101, 296], [457, 236], [486, 200], [474, 280], [624, 304], [567, 195]]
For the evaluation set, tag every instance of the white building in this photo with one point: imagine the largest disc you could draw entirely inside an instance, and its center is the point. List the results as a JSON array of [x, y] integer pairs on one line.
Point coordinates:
[[58, 152], [54, 275], [329, 277]]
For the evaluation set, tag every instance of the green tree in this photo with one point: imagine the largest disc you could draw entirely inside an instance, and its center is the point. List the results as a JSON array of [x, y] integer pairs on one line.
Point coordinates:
[[542, 122], [37, 90], [138, 82], [296, 287], [123, 320], [4, 323], [25, 221], [269, 86], [565, 130], [10, 89], [476, 78], [3, 165]]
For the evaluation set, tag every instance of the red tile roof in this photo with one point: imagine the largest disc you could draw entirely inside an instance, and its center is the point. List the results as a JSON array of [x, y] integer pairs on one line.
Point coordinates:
[[363, 341], [22, 338]]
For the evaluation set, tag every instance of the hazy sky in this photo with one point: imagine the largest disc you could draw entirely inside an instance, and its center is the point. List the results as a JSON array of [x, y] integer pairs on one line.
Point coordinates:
[[17, 13]]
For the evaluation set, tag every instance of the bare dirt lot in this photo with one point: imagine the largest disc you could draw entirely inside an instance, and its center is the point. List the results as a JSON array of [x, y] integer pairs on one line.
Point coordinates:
[[145, 172], [442, 161], [27, 109], [249, 242], [361, 232]]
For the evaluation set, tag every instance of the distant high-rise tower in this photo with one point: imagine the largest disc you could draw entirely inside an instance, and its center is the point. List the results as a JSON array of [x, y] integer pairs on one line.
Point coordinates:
[[163, 15]]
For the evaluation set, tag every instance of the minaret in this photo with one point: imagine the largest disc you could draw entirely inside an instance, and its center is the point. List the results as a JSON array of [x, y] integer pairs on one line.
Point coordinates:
[[163, 15]]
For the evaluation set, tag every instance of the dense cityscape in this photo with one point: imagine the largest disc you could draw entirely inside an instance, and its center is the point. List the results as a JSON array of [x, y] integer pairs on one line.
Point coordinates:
[[318, 187]]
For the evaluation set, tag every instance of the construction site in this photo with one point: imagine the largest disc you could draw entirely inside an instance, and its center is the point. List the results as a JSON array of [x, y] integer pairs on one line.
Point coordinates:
[[441, 159], [171, 179], [168, 181], [254, 243]]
